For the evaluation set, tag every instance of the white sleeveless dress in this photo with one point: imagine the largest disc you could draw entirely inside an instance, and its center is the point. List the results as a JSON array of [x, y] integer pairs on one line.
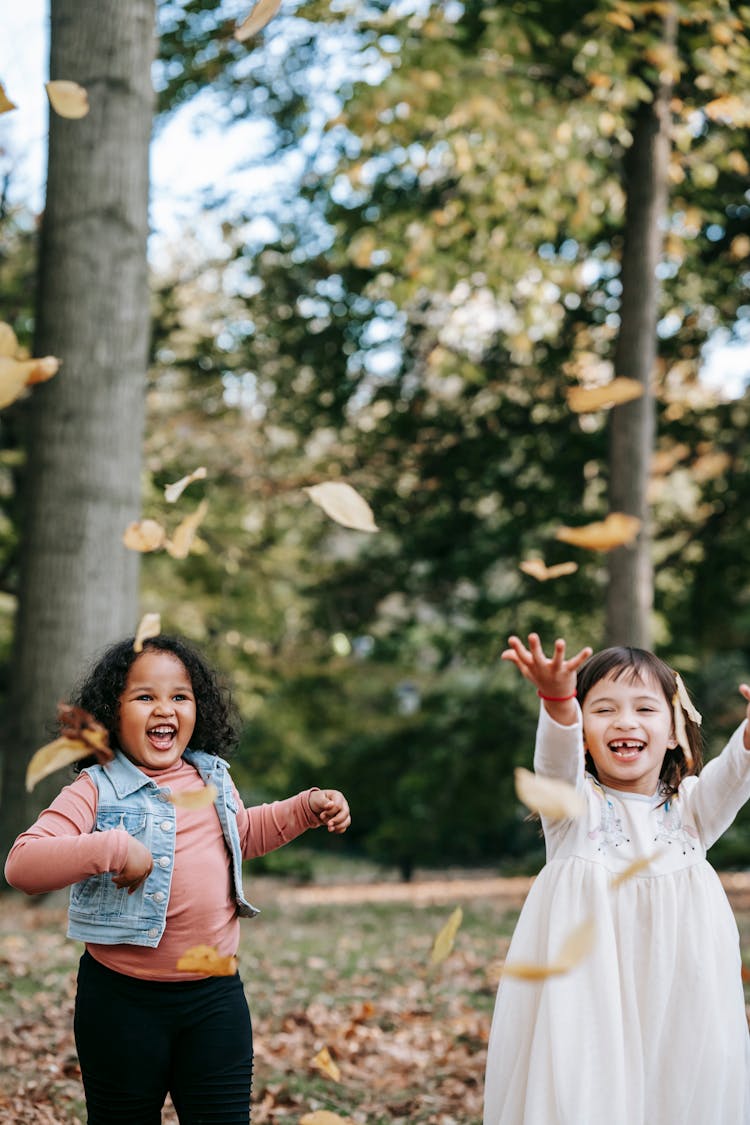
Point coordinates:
[[650, 1029]]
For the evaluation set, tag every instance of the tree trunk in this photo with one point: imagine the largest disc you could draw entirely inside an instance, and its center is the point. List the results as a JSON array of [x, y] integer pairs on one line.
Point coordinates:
[[630, 589], [78, 583]]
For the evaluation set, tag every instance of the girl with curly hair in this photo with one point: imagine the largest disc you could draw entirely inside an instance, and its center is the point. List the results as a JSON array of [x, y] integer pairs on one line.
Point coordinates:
[[151, 844]]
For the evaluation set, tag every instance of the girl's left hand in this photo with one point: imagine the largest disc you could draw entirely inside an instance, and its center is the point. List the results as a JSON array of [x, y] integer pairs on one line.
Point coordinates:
[[331, 809], [745, 692]]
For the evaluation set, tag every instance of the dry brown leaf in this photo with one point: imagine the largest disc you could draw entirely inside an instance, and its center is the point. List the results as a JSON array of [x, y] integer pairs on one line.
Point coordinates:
[[205, 959], [634, 868], [585, 400], [324, 1117], [446, 936], [6, 105], [262, 13], [194, 798], [40, 370], [17, 374], [538, 569], [680, 728], [78, 724], [8, 341], [326, 1065], [576, 947], [68, 99], [144, 535], [617, 530], [688, 706], [182, 540], [343, 504], [550, 797], [149, 626], [174, 491]]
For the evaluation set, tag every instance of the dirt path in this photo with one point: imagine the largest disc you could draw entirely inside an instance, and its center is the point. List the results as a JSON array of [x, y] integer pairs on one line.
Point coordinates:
[[425, 892]]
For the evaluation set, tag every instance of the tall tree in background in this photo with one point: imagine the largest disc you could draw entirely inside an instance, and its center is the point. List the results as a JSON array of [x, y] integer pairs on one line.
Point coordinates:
[[78, 583], [630, 591]]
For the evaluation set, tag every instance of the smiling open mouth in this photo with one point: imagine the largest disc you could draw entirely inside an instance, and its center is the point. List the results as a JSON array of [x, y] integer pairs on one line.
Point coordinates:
[[627, 750], [162, 736]]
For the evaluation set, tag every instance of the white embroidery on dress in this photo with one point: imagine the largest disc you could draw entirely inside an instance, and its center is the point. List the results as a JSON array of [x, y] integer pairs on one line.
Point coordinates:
[[608, 833], [670, 827]]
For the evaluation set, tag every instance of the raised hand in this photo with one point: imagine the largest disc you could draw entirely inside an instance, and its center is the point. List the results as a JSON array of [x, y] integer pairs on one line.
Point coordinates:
[[553, 676], [745, 693]]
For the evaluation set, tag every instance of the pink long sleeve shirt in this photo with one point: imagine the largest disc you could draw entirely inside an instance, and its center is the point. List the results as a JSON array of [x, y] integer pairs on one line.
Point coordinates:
[[61, 848]]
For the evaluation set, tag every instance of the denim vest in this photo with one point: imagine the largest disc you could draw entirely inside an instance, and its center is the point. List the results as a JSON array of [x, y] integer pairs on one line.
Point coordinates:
[[105, 914]]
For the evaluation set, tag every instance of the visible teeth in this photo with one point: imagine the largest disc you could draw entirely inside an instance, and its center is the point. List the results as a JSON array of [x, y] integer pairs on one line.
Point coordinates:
[[162, 731]]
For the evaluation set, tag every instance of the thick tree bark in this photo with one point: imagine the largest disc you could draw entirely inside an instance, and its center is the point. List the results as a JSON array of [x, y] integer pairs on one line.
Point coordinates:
[[78, 584], [632, 432]]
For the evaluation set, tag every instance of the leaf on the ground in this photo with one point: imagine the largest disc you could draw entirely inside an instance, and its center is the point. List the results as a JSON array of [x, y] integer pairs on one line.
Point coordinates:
[[205, 959], [68, 99], [261, 14], [446, 936], [194, 798], [576, 947], [149, 626], [144, 535], [634, 868], [343, 504], [324, 1117], [182, 539], [174, 491], [585, 400], [538, 569], [550, 797], [326, 1065], [6, 105], [617, 530]]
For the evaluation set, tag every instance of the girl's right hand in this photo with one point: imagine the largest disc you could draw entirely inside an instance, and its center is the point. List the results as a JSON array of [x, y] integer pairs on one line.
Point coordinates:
[[554, 676], [139, 863]]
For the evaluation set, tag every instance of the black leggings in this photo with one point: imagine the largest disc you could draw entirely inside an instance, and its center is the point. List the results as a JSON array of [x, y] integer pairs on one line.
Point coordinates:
[[138, 1040]]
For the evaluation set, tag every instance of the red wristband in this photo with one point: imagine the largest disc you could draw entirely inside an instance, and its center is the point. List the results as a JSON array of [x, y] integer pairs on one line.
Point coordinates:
[[557, 698]]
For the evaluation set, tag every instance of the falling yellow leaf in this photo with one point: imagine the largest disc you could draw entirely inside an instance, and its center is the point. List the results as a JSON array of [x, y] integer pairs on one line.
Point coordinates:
[[173, 492], [17, 374], [634, 868], [324, 1117], [584, 400], [144, 535], [548, 796], [81, 737], [687, 704], [343, 504], [52, 757], [617, 530], [6, 105], [149, 626], [205, 959], [538, 569], [576, 947], [182, 540], [444, 939], [194, 798], [326, 1065], [68, 99], [8, 340], [262, 13]]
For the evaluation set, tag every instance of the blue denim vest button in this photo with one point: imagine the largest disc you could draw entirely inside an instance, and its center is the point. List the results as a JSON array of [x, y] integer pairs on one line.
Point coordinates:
[[163, 861], [158, 896], [153, 932], [166, 826]]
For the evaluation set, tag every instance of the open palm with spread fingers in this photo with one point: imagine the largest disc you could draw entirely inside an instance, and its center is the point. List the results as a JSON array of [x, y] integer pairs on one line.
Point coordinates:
[[553, 676]]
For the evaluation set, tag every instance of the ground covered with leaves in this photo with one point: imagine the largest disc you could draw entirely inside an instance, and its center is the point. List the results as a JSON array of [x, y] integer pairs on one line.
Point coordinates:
[[349, 1016]]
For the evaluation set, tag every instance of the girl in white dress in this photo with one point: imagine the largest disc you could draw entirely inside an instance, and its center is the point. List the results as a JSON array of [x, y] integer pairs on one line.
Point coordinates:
[[649, 1028]]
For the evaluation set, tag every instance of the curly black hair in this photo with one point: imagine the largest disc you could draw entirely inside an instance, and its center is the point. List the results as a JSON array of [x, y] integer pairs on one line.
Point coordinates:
[[216, 719]]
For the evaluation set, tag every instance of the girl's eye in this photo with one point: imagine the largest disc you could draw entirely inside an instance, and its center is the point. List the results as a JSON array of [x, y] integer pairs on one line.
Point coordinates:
[[144, 695]]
